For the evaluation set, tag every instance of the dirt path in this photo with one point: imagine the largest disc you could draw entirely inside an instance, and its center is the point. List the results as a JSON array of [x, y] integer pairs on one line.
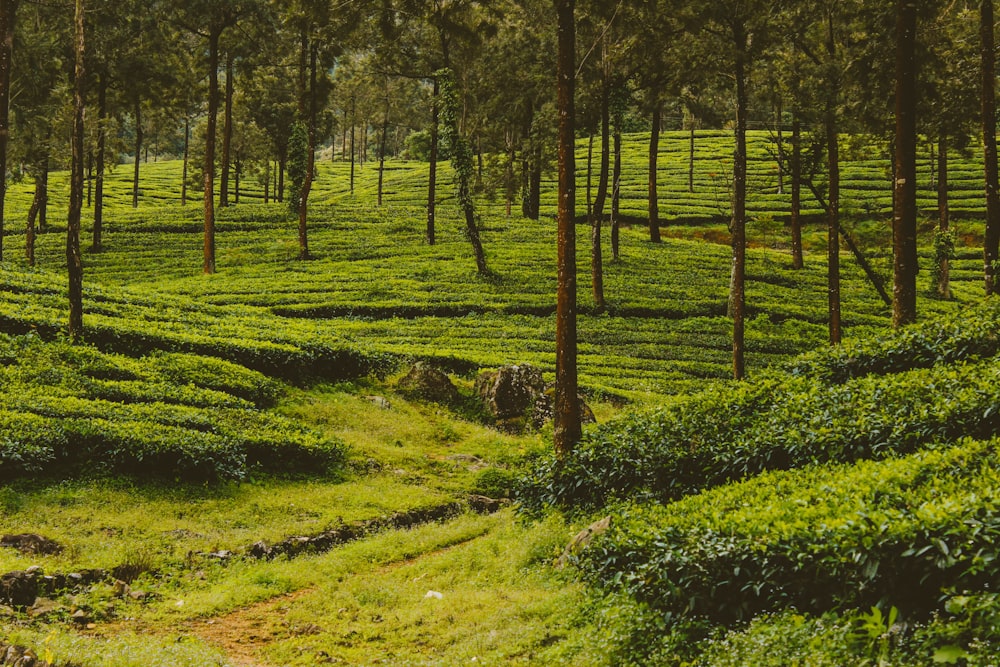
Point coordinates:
[[244, 634]]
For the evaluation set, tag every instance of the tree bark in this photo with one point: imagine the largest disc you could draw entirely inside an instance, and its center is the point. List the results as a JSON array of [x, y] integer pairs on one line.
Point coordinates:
[[209, 176], [567, 403], [74, 261], [8, 13], [227, 134], [354, 121], [432, 175], [383, 142], [654, 154], [737, 298], [691, 157], [616, 190], [137, 109], [944, 215], [184, 172], [102, 133], [904, 224], [991, 247], [833, 210], [796, 168], [310, 155]]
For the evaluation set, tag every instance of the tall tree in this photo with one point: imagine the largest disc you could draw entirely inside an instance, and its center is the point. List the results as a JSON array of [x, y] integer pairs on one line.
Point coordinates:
[[74, 261], [567, 403], [904, 219], [991, 248], [8, 15]]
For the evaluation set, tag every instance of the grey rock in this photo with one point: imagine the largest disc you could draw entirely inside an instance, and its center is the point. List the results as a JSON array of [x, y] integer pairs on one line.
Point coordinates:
[[425, 382]]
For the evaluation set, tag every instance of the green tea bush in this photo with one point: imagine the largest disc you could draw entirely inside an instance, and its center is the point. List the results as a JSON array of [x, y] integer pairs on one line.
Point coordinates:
[[773, 423], [896, 532], [971, 333]]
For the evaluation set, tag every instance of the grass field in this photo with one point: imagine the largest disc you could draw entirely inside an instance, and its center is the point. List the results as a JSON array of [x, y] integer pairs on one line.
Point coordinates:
[[260, 404]]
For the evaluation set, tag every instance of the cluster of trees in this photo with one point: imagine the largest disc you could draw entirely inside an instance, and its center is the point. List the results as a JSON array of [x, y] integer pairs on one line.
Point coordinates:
[[478, 79]]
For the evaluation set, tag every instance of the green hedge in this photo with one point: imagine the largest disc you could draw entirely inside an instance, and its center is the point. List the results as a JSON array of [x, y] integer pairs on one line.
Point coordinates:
[[896, 532], [778, 422]]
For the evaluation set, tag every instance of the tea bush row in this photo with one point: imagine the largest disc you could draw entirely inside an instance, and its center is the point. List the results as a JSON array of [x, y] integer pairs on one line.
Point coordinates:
[[898, 532], [776, 422]]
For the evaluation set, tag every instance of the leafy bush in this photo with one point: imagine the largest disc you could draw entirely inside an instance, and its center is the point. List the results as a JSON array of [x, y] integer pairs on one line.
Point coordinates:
[[896, 532], [777, 422]]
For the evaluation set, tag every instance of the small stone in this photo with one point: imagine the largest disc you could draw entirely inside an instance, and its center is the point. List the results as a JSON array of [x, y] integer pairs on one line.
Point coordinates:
[[138, 596], [379, 402], [434, 594], [80, 617]]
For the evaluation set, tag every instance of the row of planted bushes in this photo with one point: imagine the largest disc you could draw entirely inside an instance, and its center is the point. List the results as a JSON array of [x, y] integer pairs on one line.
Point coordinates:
[[897, 532], [779, 422], [67, 410]]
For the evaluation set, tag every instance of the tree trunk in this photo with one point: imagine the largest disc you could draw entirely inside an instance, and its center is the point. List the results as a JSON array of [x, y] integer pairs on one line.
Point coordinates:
[[138, 151], [944, 215], [227, 134], [8, 12], [74, 261], [267, 181], [279, 191], [43, 192], [616, 187], [590, 177], [29, 248], [691, 157], [432, 176], [991, 246], [90, 176], [796, 168], [310, 156], [567, 402], [737, 297], [510, 173], [781, 147], [383, 144], [237, 174], [209, 176], [654, 154], [184, 173], [535, 183], [354, 121], [102, 133], [904, 224], [833, 210]]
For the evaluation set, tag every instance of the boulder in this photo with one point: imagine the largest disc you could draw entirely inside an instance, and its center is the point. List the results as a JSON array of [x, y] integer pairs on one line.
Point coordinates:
[[425, 382], [543, 410], [30, 543], [19, 589], [509, 392]]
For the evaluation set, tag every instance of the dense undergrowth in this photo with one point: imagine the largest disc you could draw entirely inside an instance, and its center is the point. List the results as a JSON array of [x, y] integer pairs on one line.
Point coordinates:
[[858, 478]]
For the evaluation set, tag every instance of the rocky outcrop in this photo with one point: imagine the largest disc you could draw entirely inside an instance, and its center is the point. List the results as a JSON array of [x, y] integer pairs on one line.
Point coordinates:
[[30, 543], [516, 397], [427, 383]]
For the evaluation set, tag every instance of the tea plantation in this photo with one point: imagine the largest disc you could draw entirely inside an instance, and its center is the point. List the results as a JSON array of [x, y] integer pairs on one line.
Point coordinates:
[[234, 476]]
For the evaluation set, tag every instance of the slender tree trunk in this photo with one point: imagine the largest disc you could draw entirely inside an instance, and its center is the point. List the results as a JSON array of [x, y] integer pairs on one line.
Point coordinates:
[[227, 134], [904, 227], [616, 190], [510, 173], [74, 261], [354, 120], [597, 218], [267, 181], [691, 157], [43, 192], [138, 151], [383, 144], [279, 191], [310, 157], [833, 210], [991, 247], [944, 216], [90, 177], [590, 178], [184, 173], [32, 216], [737, 296], [8, 12], [567, 402], [432, 175], [654, 154], [237, 173], [781, 147], [796, 168], [102, 132], [535, 184], [209, 176]]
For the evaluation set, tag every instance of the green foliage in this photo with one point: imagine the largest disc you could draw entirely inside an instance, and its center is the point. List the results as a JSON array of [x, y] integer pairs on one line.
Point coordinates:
[[943, 251], [67, 410], [775, 422], [902, 530], [298, 159]]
